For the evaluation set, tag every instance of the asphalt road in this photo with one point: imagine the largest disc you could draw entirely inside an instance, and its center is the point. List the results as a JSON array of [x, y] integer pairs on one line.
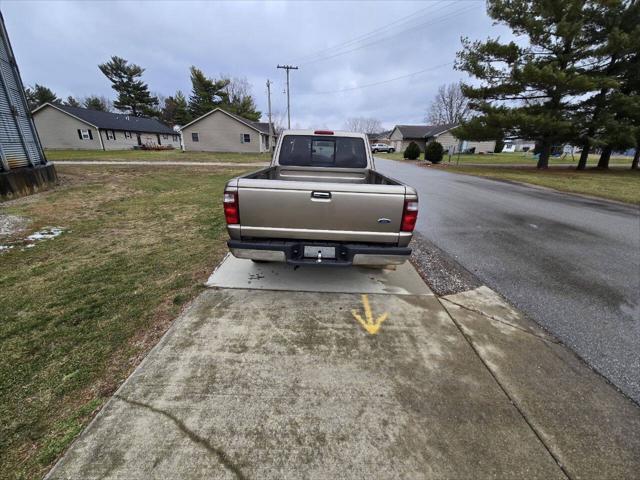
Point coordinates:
[[570, 263]]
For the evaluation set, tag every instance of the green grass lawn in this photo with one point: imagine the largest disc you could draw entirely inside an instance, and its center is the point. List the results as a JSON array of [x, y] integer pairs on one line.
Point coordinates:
[[620, 184], [80, 311], [508, 159], [156, 156]]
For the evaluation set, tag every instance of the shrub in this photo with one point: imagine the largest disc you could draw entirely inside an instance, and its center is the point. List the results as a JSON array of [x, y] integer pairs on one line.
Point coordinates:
[[499, 146], [412, 152], [433, 152]]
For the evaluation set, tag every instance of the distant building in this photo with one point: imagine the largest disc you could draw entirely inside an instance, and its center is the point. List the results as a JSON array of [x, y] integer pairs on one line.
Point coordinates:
[[518, 145], [221, 131], [382, 137], [23, 166], [64, 127], [402, 135]]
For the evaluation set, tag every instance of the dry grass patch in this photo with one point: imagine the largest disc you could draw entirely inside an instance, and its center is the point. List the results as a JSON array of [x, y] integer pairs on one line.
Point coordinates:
[[619, 184], [81, 310]]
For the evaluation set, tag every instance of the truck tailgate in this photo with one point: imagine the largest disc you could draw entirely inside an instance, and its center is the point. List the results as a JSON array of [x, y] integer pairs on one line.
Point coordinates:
[[320, 210]]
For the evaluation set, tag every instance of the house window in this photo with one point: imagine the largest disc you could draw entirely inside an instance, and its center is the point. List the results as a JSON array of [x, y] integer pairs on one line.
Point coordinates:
[[111, 135], [127, 134], [165, 137], [194, 137], [85, 134], [245, 138], [175, 138]]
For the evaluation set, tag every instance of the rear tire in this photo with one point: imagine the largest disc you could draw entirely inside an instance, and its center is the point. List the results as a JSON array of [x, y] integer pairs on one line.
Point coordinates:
[[391, 150]]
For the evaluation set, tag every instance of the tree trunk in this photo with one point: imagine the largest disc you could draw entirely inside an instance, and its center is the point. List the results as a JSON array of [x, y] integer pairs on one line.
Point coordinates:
[[604, 157], [636, 159], [584, 155], [543, 159]]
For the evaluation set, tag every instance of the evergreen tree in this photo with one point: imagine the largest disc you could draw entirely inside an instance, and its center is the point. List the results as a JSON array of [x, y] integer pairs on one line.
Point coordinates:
[[206, 93], [527, 91], [604, 119], [239, 99], [71, 102], [133, 93], [175, 110], [96, 103], [182, 116], [39, 95]]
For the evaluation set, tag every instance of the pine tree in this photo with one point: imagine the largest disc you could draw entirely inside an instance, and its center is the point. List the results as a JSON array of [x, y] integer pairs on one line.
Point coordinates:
[[239, 99], [602, 119], [133, 93], [96, 103], [528, 91], [71, 102], [206, 93], [39, 95], [174, 111], [182, 115]]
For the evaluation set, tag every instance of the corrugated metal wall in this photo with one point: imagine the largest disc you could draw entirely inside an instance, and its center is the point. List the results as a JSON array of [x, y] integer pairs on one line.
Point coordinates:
[[19, 143]]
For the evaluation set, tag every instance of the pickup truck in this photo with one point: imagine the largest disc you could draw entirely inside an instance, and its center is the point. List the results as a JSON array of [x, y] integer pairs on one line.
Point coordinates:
[[321, 201]]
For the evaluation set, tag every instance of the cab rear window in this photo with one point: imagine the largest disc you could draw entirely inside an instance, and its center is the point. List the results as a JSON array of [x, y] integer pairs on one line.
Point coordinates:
[[321, 151]]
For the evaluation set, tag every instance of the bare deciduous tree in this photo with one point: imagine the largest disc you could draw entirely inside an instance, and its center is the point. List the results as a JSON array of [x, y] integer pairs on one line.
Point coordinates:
[[363, 125], [449, 106]]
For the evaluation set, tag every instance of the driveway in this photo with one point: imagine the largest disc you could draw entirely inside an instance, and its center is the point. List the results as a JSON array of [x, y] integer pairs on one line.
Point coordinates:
[[279, 372], [570, 263]]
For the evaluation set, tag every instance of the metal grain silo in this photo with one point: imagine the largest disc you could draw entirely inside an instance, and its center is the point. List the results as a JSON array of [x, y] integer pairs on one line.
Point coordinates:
[[23, 166]]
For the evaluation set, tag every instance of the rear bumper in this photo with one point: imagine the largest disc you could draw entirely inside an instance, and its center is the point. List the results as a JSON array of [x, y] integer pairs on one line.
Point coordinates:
[[293, 252]]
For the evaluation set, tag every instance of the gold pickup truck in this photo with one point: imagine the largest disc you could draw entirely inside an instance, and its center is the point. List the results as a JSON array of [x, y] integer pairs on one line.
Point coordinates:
[[321, 201]]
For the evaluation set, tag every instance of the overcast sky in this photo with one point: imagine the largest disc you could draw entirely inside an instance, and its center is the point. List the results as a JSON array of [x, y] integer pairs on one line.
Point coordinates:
[[338, 46]]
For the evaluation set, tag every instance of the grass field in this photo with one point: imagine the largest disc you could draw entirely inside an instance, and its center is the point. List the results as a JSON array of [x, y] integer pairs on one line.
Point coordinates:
[[81, 310], [156, 156], [619, 184], [508, 159]]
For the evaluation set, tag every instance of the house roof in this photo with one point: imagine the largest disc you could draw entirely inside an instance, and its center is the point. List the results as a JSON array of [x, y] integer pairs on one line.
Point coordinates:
[[384, 134], [262, 127], [113, 121], [422, 131]]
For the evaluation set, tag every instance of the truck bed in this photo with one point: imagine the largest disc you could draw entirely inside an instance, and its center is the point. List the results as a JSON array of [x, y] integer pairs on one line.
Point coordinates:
[[322, 174]]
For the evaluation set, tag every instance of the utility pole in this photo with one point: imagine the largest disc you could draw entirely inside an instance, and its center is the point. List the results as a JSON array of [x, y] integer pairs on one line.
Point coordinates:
[[270, 122], [287, 68]]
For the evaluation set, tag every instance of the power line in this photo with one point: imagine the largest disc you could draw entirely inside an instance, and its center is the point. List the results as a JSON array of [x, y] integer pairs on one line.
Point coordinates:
[[435, 67], [365, 35], [448, 15]]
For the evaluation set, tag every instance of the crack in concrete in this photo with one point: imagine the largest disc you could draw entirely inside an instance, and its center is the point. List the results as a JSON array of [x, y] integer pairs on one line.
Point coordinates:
[[222, 456], [513, 401], [491, 317]]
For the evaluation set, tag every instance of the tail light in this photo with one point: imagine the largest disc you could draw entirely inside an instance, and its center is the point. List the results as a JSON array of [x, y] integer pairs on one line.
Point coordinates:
[[409, 215], [231, 208], [323, 132]]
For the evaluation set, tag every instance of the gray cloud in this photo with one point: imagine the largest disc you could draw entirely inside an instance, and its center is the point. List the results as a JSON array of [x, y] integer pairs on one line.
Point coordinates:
[[59, 44]]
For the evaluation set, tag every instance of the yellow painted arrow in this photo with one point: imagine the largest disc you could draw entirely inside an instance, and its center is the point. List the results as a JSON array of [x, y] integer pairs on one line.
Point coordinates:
[[368, 323]]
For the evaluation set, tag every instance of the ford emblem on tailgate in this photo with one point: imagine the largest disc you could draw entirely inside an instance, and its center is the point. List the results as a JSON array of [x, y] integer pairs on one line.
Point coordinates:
[[384, 220]]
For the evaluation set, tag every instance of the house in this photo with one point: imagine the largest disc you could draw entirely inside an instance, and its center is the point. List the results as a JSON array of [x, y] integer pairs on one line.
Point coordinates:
[[381, 137], [64, 127], [402, 135], [221, 131], [23, 166]]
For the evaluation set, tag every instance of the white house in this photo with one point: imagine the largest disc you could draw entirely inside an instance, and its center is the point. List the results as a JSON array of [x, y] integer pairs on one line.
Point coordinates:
[[221, 131], [64, 127]]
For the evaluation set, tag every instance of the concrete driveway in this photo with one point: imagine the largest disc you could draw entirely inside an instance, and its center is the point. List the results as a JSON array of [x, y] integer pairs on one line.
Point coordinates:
[[279, 372], [570, 263]]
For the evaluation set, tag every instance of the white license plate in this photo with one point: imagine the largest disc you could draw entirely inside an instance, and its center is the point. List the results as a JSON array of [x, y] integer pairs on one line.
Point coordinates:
[[325, 252]]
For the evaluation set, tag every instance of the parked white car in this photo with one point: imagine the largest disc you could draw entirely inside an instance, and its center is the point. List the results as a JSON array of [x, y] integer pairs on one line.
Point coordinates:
[[382, 147]]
